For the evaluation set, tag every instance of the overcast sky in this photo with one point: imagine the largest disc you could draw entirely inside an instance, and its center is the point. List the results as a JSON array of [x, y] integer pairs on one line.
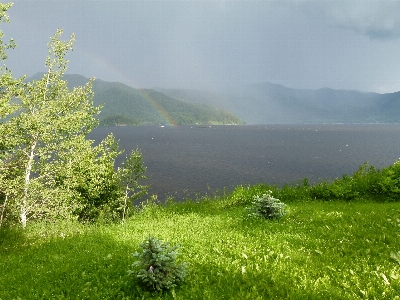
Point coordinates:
[[212, 44]]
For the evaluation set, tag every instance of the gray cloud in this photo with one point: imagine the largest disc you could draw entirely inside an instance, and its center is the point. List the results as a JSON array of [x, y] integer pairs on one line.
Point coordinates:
[[374, 19], [216, 44]]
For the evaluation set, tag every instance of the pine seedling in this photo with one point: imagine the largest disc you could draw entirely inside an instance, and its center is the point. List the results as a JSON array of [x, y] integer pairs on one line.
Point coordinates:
[[156, 267]]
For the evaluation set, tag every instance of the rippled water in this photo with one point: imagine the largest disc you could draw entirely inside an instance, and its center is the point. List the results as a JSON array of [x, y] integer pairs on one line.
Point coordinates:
[[197, 160]]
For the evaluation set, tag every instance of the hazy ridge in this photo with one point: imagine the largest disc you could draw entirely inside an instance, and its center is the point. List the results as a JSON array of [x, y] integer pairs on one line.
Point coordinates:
[[266, 103]]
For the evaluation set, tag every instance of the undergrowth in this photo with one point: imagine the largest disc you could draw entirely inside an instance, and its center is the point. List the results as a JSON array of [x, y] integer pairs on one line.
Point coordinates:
[[321, 249], [380, 185]]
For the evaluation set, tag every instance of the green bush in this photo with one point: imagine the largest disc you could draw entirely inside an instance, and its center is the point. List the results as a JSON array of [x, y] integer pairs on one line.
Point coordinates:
[[267, 206], [389, 183], [366, 182], [156, 267], [299, 191], [243, 194]]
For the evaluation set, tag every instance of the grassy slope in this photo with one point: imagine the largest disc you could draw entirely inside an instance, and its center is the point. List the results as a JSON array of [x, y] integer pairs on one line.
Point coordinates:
[[320, 250]]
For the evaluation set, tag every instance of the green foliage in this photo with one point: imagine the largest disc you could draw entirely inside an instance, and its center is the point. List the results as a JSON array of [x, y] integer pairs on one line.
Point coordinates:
[[321, 250], [88, 173], [266, 206], [243, 195], [46, 117], [48, 169], [389, 183], [156, 267], [129, 175], [9, 88], [367, 181], [118, 120], [4, 7]]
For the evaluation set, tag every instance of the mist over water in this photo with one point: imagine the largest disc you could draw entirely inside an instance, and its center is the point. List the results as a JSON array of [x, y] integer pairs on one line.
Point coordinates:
[[187, 160]]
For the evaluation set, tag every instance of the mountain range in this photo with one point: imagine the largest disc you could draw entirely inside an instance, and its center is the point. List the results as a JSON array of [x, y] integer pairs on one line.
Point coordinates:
[[262, 103], [267, 103]]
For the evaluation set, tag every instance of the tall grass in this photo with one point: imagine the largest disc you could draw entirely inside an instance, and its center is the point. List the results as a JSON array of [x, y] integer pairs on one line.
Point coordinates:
[[339, 250], [343, 249]]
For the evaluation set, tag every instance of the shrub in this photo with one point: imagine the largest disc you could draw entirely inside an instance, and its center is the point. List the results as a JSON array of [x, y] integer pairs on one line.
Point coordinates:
[[298, 191], [389, 183], [267, 206], [242, 195], [367, 181], [156, 267]]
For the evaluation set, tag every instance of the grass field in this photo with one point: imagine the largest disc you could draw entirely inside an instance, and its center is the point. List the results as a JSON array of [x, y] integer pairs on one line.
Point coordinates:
[[319, 250]]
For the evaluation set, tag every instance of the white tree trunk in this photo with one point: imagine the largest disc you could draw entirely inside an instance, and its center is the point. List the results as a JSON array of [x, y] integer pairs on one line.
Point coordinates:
[[125, 202], [23, 217], [24, 204], [2, 211]]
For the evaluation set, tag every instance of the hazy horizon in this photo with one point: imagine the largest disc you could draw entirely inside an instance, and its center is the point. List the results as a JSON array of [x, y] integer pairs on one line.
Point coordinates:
[[215, 44]]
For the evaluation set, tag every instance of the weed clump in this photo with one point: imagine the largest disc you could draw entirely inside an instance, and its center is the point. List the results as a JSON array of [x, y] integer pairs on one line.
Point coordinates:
[[156, 267], [266, 206]]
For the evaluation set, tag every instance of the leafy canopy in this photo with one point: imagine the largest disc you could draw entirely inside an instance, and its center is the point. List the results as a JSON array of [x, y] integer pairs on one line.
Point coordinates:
[[48, 169]]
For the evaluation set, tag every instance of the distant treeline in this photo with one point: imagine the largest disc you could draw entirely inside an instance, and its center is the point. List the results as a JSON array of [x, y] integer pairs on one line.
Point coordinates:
[[118, 120]]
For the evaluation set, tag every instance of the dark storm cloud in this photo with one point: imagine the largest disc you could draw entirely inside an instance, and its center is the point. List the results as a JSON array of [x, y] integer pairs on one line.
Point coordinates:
[[376, 19], [216, 44]]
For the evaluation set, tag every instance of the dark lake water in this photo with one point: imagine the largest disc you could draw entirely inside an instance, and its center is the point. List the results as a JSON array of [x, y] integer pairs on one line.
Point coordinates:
[[188, 160]]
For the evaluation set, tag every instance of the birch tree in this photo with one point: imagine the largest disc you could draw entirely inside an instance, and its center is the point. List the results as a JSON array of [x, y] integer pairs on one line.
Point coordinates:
[[9, 88], [48, 168], [45, 118]]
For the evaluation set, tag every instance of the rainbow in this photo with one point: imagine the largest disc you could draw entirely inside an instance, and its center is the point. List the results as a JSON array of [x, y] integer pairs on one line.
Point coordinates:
[[163, 113], [99, 61], [125, 78]]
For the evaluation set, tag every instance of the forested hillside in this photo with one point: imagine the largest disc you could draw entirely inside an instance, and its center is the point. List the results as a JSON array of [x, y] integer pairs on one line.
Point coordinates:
[[124, 105]]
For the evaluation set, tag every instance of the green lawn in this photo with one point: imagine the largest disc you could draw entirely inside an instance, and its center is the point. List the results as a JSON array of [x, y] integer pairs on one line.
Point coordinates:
[[319, 250]]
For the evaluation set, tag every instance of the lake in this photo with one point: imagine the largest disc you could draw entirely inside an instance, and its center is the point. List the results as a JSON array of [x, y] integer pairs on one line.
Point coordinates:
[[187, 160]]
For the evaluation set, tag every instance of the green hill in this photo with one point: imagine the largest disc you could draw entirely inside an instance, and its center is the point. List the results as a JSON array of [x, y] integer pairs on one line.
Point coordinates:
[[124, 105]]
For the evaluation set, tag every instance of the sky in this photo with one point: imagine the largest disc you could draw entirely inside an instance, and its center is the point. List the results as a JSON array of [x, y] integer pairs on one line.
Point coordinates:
[[216, 44]]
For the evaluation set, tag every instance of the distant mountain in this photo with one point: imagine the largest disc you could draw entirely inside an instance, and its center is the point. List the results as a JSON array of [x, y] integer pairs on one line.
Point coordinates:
[[267, 103], [124, 105], [262, 103]]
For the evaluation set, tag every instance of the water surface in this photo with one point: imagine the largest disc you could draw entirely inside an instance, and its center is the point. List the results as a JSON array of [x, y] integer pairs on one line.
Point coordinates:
[[189, 160]]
